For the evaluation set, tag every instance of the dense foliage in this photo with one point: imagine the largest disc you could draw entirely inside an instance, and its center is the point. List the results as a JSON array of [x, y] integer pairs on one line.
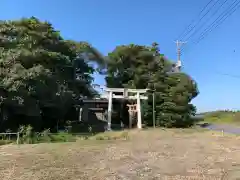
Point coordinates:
[[41, 73], [135, 66]]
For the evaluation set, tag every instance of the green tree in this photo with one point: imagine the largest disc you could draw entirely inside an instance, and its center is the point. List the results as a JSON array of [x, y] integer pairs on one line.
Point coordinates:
[[41, 73], [135, 66]]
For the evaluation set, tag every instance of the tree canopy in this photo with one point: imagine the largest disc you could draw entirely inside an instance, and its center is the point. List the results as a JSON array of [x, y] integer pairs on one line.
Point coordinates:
[[135, 66], [42, 75], [41, 70]]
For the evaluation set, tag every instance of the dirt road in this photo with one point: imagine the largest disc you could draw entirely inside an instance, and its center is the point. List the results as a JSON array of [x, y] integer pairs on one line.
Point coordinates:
[[223, 127]]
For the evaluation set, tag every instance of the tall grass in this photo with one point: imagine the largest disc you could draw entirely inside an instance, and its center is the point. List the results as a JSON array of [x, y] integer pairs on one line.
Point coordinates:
[[28, 136]]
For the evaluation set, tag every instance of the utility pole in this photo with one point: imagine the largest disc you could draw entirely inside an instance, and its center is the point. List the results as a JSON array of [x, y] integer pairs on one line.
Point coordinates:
[[153, 100], [154, 120], [179, 63]]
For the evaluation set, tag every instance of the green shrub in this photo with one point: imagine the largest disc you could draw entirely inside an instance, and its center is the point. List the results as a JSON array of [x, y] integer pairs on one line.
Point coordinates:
[[27, 135], [30, 137], [44, 136]]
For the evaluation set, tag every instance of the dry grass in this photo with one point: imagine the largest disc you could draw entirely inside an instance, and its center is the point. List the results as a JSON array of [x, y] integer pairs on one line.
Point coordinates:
[[156, 154]]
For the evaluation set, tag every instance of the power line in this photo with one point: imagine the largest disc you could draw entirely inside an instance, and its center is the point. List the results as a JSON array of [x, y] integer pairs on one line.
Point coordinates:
[[229, 75], [203, 16], [223, 74], [224, 16], [218, 21], [184, 32], [215, 12], [187, 30]]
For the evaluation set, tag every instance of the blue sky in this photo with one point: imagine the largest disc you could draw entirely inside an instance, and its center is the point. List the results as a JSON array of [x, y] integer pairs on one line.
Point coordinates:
[[106, 24]]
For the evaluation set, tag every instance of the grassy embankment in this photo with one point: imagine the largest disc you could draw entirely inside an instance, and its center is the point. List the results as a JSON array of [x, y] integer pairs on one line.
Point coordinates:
[[222, 117]]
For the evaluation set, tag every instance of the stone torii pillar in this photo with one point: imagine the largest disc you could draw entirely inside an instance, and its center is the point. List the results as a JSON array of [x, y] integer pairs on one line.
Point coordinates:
[[139, 113], [110, 97]]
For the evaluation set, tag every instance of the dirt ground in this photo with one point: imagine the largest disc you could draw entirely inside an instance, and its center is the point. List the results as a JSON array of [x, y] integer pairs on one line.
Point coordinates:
[[156, 154]]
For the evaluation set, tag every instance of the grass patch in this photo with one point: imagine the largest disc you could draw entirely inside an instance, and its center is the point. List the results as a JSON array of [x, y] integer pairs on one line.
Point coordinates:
[[47, 137], [192, 130], [58, 137], [111, 135], [30, 137], [222, 117], [5, 142]]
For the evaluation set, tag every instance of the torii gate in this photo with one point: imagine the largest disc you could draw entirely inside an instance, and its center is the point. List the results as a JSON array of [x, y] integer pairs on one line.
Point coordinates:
[[125, 95]]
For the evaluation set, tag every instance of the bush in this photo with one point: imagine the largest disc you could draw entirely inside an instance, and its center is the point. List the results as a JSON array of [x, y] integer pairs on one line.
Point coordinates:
[[43, 136], [30, 137], [47, 137], [27, 135]]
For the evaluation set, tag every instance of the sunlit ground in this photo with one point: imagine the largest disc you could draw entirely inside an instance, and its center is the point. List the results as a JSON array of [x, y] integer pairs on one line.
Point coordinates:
[[147, 154]]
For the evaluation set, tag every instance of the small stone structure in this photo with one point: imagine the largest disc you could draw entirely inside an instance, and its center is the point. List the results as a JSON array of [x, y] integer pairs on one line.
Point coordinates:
[[132, 110], [92, 110]]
